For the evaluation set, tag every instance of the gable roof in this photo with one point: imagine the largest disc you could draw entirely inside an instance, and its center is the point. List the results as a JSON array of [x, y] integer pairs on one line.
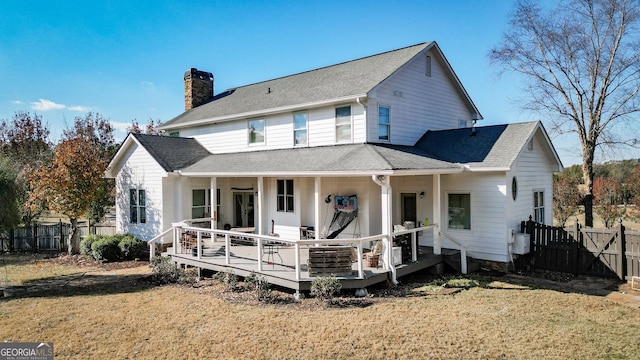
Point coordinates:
[[346, 81], [349, 159], [171, 153], [489, 147]]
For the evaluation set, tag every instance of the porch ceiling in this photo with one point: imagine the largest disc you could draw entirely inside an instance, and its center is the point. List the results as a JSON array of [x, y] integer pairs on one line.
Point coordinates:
[[356, 159]]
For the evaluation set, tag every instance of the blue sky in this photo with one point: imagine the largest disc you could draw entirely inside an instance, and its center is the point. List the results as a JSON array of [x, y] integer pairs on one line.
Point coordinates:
[[126, 59]]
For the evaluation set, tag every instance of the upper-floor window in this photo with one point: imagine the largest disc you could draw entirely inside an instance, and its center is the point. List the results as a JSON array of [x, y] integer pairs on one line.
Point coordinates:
[[285, 195], [174, 134], [137, 206], [256, 131], [384, 126], [538, 206], [459, 207], [343, 124], [300, 128]]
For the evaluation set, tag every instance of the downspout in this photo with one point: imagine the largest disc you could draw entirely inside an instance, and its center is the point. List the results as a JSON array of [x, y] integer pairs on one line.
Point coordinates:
[[384, 183]]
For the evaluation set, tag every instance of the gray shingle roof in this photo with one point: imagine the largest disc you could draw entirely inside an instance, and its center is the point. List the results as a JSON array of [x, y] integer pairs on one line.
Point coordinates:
[[351, 158], [352, 78], [487, 147], [172, 153]]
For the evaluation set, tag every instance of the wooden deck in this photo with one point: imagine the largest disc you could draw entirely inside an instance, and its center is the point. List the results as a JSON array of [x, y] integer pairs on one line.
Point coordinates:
[[278, 264]]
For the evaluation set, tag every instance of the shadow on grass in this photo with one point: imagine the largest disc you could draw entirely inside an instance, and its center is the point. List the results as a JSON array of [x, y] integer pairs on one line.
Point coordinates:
[[80, 285]]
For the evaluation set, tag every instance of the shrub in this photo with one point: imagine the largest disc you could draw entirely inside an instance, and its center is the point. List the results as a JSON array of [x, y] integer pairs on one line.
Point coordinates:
[[325, 287], [229, 279], [164, 270], [106, 248], [131, 247], [260, 285], [85, 244]]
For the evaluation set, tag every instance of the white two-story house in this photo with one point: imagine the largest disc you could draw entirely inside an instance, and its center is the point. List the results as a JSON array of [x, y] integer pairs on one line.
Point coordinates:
[[392, 135]]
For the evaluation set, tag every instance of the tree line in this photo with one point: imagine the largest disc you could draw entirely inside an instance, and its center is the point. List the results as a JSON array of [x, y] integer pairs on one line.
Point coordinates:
[[65, 177], [616, 191]]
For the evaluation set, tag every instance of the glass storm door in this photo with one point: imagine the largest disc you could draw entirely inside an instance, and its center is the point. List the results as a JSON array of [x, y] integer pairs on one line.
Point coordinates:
[[243, 209]]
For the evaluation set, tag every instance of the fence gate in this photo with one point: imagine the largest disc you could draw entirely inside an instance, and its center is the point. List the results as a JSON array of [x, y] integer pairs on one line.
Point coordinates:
[[578, 250]]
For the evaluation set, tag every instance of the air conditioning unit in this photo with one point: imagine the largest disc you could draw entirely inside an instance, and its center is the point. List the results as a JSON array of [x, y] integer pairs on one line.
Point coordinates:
[[521, 244]]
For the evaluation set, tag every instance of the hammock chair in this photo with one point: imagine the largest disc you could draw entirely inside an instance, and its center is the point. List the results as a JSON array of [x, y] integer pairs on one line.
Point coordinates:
[[346, 210]]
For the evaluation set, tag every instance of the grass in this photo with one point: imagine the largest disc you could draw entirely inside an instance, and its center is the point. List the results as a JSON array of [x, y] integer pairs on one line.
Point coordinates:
[[19, 269], [127, 318]]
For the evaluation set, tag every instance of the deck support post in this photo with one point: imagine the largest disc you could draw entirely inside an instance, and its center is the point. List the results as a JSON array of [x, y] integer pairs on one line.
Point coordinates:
[[414, 247], [297, 257], [259, 201], [360, 265], [227, 250], [199, 245]]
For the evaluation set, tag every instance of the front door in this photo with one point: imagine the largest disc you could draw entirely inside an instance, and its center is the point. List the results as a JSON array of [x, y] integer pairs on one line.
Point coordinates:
[[243, 209], [409, 212]]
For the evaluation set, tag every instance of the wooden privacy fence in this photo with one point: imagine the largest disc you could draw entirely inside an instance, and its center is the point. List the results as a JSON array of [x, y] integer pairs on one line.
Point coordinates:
[[613, 252], [47, 237]]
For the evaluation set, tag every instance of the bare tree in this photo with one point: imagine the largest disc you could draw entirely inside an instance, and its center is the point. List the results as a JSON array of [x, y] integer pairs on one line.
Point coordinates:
[[582, 65]]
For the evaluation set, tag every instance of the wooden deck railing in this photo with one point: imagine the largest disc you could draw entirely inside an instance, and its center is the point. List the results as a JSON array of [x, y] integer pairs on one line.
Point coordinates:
[[184, 227]]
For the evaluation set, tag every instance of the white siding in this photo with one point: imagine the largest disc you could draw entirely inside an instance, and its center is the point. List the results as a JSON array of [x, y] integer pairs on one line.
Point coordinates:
[[487, 238], [533, 172], [140, 171], [418, 103], [231, 136]]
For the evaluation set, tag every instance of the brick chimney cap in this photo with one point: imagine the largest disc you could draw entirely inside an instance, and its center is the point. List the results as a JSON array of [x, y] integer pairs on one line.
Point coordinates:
[[194, 73]]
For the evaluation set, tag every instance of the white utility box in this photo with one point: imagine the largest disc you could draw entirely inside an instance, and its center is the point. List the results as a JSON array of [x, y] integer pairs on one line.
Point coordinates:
[[521, 244], [396, 255]]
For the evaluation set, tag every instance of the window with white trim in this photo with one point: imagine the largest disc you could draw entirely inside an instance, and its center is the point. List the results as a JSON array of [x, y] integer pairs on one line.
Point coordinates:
[[459, 208], [285, 195], [137, 206], [384, 124], [201, 203], [300, 129], [343, 124], [538, 206], [256, 131]]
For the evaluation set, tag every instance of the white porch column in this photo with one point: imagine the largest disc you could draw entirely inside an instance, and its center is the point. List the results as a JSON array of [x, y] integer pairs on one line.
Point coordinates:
[[178, 204], [437, 216], [317, 198], [260, 207], [214, 201]]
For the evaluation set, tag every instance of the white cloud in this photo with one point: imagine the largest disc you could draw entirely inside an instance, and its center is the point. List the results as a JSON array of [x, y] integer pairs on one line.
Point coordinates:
[[122, 126], [147, 83], [46, 105], [79, 108], [17, 102]]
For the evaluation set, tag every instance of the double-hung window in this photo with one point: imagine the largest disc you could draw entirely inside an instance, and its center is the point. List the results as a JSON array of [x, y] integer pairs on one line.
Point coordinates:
[[137, 206], [256, 131], [201, 203], [459, 207], [285, 195], [384, 126], [300, 128], [343, 124], [538, 206]]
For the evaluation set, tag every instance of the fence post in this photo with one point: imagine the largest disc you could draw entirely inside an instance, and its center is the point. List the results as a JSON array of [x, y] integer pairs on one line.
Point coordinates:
[[11, 240], [36, 244], [577, 239], [60, 237], [622, 259]]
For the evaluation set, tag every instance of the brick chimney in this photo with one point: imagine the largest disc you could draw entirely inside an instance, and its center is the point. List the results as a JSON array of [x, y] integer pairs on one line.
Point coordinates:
[[198, 88]]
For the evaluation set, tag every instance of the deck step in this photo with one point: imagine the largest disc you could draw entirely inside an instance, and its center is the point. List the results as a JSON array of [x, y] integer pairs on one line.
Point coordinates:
[[452, 258]]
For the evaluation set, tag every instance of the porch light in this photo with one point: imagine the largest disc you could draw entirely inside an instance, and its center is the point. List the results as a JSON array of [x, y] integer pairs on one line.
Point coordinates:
[[421, 194]]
